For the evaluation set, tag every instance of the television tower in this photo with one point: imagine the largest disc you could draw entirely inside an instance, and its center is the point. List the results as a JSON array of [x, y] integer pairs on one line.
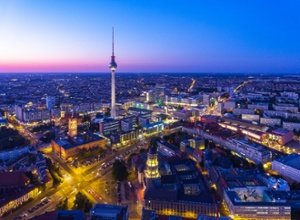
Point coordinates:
[[113, 68]]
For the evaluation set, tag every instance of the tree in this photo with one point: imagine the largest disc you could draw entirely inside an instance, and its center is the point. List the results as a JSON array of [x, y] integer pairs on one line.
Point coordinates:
[[86, 118], [54, 171], [153, 141], [33, 178], [10, 138], [48, 136], [1, 112], [62, 205], [259, 112], [82, 202], [94, 127], [119, 170], [107, 112]]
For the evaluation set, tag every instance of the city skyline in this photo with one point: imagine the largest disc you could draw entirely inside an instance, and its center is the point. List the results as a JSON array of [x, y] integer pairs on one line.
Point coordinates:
[[149, 110], [151, 36]]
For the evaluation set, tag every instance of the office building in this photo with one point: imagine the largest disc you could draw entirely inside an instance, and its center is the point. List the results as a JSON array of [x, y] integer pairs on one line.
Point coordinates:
[[109, 126], [72, 127], [50, 102], [251, 151], [70, 147]]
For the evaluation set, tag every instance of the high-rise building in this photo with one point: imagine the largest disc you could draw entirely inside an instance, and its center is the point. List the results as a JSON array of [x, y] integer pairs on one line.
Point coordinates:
[[19, 112], [159, 94], [72, 125], [113, 68], [50, 102]]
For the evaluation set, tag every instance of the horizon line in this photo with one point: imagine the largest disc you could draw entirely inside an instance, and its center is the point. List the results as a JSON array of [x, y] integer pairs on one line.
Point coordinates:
[[143, 72]]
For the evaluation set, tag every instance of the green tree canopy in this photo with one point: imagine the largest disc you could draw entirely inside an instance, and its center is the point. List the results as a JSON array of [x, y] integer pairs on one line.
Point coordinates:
[[119, 170], [82, 202]]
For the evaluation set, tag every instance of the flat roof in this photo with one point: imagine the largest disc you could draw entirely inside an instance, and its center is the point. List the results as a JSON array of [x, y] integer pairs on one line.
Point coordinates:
[[264, 197], [244, 124], [68, 143], [184, 184], [239, 178], [251, 144], [108, 210], [281, 131], [292, 160]]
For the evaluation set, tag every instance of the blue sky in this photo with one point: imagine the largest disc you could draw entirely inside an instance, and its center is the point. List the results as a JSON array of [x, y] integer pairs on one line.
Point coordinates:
[[151, 36]]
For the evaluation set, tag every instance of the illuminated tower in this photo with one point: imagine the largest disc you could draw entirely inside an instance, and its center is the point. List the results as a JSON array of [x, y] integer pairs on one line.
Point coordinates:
[[151, 171], [113, 68], [72, 126]]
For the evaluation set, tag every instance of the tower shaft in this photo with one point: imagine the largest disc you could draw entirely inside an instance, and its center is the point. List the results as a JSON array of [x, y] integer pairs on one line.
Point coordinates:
[[113, 94], [113, 67]]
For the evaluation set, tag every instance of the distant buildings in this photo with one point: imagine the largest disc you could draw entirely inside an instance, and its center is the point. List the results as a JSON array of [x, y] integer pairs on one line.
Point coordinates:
[[72, 127], [271, 121], [32, 113], [109, 126], [251, 118], [182, 100], [50, 102], [159, 93], [153, 128], [252, 151], [274, 138], [127, 125], [129, 136]]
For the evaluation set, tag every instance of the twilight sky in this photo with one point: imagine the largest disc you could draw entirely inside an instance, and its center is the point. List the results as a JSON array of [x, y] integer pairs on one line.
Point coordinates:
[[151, 35]]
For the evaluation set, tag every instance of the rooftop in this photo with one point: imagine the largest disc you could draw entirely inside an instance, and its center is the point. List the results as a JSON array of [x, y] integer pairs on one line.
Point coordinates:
[[263, 197], [251, 144], [232, 178], [68, 143], [292, 160], [281, 131], [61, 215], [12, 179], [185, 183], [108, 210]]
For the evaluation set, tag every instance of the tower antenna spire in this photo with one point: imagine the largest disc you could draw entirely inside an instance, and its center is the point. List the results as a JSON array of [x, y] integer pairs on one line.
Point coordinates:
[[113, 41]]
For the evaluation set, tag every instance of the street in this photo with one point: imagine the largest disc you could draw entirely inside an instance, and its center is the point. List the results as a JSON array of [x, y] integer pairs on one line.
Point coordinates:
[[81, 179]]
